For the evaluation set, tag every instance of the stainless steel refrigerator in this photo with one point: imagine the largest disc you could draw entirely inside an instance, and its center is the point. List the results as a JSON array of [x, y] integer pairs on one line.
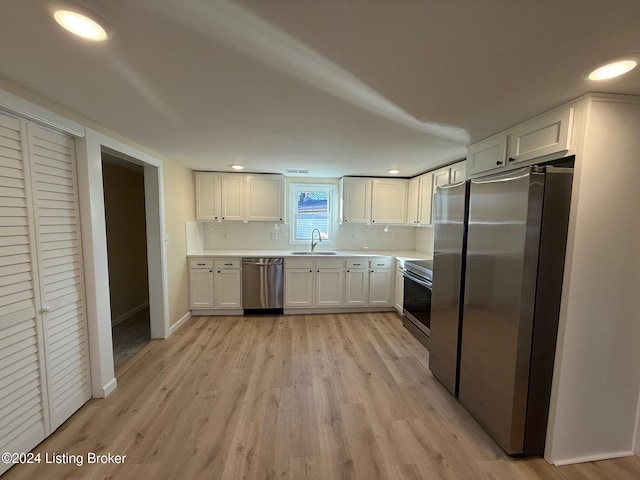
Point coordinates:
[[516, 245], [450, 229]]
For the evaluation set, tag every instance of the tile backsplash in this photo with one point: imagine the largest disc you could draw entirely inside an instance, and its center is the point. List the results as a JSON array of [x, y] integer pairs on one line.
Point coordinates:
[[275, 236]]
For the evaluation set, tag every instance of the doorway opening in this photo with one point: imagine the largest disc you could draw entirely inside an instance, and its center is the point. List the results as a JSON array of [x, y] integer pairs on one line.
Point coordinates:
[[125, 219]]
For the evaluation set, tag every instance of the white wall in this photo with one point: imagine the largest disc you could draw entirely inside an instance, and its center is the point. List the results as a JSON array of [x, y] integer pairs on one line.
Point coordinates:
[[597, 372]]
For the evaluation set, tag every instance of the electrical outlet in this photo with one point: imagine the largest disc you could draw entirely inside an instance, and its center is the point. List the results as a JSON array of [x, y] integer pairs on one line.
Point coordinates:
[[165, 238]]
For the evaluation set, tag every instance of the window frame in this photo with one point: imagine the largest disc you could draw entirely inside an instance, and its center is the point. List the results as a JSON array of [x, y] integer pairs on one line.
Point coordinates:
[[294, 190]]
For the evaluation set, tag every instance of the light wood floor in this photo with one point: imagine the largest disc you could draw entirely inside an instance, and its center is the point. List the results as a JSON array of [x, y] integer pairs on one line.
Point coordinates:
[[289, 397]]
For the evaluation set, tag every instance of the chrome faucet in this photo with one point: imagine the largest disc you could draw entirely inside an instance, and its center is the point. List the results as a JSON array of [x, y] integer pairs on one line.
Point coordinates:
[[313, 245]]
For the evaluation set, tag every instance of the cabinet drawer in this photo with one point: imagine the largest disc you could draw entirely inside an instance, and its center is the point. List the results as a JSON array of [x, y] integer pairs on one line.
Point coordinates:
[[384, 262], [358, 263], [298, 263], [200, 263], [330, 263], [227, 263]]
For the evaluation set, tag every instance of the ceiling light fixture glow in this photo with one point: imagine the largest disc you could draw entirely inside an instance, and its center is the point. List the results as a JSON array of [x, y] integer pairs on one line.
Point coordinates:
[[612, 69], [81, 25], [237, 167], [394, 171]]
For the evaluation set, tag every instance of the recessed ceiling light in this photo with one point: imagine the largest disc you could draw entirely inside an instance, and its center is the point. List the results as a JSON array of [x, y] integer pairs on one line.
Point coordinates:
[[81, 25], [237, 167], [394, 171], [612, 69]]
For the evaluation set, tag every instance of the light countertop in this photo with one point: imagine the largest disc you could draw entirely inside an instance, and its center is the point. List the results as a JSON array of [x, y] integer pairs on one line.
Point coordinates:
[[401, 255]]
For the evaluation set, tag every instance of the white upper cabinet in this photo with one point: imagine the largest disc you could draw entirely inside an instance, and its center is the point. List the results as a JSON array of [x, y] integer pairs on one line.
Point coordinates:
[[488, 154], [356, 200], [413, 194], [549, 136], [373, 200], [232, 196], [389, 200], [544, 135], [419, 200], [240, 197], [425, 199], [264, 198], [458, 172], [441, 177], [207, 196]]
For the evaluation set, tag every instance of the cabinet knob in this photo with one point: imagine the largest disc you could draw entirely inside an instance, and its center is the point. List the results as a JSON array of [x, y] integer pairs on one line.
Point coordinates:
[[499, 162], [348, 271], [215, 218], [218, 271], [345, 220], [310, 271], [511, 159], [210, 271], [223, 218], [373, 221]]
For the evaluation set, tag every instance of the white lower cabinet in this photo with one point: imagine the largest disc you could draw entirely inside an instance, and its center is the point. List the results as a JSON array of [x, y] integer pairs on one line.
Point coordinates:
[[326, 283], [329, 287], [380, 282], [314, 283], [357, 284], [227, 284], [299, 287], [201, 287], [215, 284], [399, 290]]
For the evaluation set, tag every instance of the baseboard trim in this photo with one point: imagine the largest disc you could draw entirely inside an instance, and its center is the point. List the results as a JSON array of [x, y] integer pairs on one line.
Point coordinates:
[[109, 387], [128, 314], [309, 311], [211, 312], [173, 328], [593, 458]]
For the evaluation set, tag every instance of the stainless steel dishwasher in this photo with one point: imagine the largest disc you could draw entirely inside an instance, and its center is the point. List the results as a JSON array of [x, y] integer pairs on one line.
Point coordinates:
[[262, 285]]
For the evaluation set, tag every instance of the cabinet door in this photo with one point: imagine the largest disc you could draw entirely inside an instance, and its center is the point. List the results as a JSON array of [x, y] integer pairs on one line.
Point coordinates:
[[413, 201], [441, 177], [399, 290], [356, 200], [264, 197], [201, 288], [357, 287], [380, 287], [426, 199], [458, 172], [207, 196], [228, 289], [389, 201], [487, 155], [329, 287], [298, 286], [232, 187], [544, 135]]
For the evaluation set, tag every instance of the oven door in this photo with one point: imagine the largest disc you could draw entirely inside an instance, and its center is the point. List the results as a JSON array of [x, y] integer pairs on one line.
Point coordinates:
[[417, 302]]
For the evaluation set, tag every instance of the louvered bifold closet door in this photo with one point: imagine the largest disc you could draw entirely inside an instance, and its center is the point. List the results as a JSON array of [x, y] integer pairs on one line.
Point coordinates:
[[23, 409], [54, 187]]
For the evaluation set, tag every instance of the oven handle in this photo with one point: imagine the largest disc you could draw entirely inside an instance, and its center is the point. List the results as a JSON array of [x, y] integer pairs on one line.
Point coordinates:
[[418, 280]]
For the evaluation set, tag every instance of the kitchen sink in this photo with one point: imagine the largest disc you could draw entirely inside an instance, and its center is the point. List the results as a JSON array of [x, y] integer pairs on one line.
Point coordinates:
[[314, 253]]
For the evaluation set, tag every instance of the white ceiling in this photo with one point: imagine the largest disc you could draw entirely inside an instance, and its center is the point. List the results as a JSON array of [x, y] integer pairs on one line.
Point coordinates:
[[340, 87]]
